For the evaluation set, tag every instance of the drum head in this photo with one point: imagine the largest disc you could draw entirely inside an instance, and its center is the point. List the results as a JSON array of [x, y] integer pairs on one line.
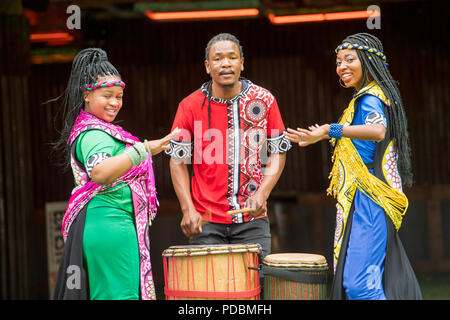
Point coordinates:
[[201, 250], [295, 260]]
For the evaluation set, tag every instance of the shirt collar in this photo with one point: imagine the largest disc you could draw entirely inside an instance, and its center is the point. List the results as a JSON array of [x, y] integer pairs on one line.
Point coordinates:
[[246, 85]]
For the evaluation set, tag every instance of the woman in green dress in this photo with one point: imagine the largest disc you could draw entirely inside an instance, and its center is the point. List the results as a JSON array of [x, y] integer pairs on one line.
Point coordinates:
[[106, 224]]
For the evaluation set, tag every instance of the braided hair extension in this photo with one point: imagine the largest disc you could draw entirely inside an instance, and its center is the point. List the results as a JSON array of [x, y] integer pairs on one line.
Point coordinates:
[[374, 67], [209, 107], [88, 66]]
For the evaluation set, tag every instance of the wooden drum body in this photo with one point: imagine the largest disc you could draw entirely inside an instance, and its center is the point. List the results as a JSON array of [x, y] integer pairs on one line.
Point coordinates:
[[228, 271], [295, 276]]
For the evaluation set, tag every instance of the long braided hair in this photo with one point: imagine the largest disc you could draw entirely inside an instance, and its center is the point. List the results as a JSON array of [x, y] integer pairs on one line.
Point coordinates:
[[88, 66], [398, 124]]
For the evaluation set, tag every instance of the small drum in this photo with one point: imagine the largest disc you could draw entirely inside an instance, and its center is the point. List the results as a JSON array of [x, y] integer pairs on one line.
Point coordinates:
[[295, 276], [225, 271]]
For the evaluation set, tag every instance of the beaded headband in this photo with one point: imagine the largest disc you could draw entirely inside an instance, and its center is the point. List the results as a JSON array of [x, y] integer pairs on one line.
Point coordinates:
[[363, 48], [103, 84]]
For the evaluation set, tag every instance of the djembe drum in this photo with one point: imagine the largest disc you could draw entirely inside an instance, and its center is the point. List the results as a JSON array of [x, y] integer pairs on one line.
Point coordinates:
[[228, 271], [295, 276]]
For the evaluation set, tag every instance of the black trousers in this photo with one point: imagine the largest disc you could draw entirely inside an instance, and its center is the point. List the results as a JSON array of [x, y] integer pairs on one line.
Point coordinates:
[[255, 231]]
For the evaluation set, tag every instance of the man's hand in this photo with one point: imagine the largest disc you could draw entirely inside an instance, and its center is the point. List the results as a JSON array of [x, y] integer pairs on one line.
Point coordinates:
[[257, 203], [191, 224]]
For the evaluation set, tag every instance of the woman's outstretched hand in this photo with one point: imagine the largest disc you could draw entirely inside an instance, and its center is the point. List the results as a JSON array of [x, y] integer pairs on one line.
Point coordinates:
[[305, 137], [156, 146]]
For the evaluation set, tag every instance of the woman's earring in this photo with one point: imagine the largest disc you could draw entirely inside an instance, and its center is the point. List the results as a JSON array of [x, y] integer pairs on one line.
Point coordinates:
[[341, 83]]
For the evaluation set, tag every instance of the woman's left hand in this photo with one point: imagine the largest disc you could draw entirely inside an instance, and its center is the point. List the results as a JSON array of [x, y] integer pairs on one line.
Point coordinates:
[[293, 135]]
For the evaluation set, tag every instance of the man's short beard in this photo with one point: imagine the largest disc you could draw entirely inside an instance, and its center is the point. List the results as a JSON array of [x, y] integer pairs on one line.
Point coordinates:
[[227, 85]]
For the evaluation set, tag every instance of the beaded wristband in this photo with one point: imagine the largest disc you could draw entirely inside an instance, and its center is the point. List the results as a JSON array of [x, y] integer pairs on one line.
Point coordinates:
[[147, 148], [137, 153], [335, 130]]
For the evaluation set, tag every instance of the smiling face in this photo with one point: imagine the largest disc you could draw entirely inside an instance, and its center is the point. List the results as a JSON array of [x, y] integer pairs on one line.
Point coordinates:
[[104, 103], [225, 63], [349, 69]]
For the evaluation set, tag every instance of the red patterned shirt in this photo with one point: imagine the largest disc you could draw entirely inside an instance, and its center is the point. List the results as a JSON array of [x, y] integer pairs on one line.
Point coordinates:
[[227, 141]]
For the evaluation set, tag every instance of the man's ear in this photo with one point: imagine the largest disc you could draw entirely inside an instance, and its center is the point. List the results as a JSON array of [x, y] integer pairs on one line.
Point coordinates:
[[208, 69], [242, 64]]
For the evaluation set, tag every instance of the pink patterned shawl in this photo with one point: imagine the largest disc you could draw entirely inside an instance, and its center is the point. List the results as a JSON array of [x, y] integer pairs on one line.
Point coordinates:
[[139, 178]]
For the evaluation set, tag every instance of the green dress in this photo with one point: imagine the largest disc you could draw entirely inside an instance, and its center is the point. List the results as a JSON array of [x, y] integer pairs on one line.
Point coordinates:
[[110, 245]]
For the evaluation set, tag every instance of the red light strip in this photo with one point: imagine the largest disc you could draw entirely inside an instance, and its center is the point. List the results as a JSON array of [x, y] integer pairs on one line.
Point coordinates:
[[351, 15], [186, 15], [50, 36], [323, 16]]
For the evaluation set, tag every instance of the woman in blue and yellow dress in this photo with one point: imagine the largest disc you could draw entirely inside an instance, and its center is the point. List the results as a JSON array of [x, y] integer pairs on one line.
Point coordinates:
[[371, 162]]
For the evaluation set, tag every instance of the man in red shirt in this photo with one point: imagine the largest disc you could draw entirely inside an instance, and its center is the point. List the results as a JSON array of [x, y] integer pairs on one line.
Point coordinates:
[[226, 126]]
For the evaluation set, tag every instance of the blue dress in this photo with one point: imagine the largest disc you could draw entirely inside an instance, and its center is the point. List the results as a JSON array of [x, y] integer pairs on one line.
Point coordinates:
[[366, 252]]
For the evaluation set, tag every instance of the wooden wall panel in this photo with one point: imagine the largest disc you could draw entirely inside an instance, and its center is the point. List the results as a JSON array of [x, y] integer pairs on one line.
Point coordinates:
[[16, 191], [163, 62]]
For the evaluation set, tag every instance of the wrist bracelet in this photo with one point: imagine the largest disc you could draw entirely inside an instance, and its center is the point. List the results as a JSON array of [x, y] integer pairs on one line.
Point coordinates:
[[141, 150], [335, 130], [147, 148]]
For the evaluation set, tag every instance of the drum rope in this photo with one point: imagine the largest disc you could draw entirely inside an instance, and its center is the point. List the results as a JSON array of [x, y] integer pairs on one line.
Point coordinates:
[[234, 276], [187, 272], [207, 278], [165, 270], [289, 291], [249, 277], [212, 271], [256, 274], [192, 269], [228, 273], [176, 273]]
